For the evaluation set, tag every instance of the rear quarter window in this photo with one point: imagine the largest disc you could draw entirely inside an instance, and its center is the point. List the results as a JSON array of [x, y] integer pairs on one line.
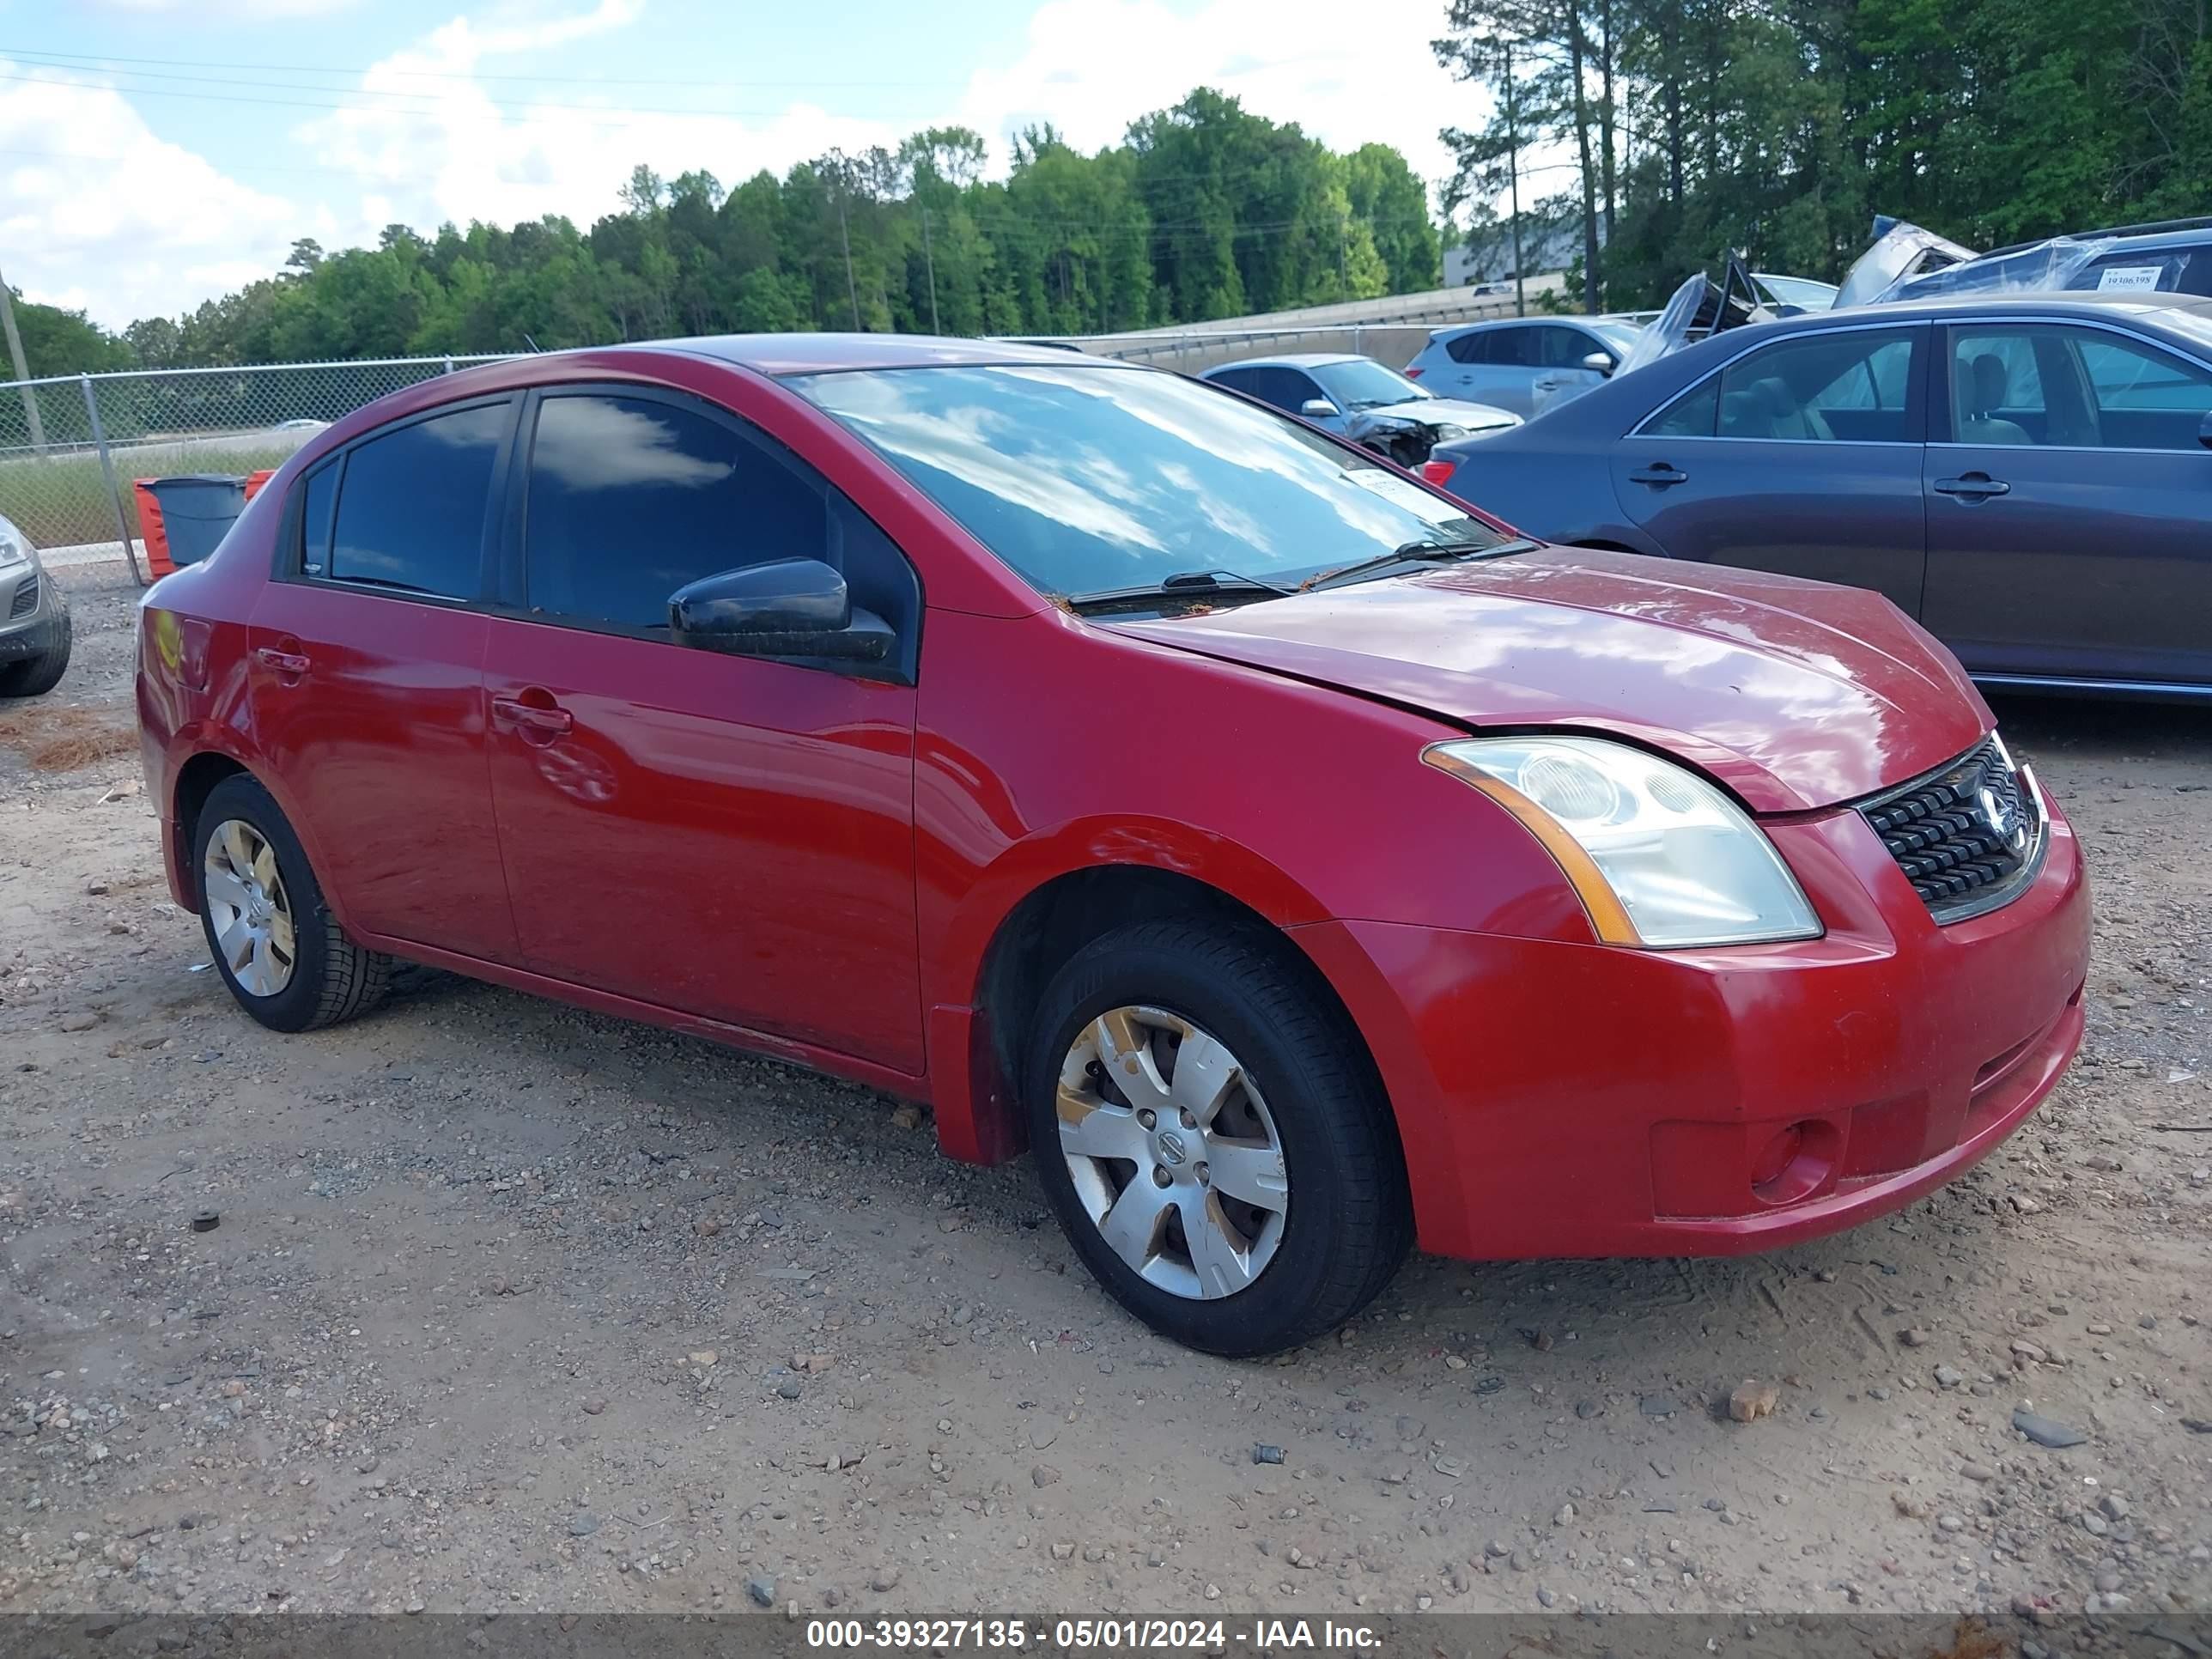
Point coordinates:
[[412, 504], [316, 499]]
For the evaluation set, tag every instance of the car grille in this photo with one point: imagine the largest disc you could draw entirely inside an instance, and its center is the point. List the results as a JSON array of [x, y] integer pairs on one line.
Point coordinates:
[[1968, 838], [26, 600]]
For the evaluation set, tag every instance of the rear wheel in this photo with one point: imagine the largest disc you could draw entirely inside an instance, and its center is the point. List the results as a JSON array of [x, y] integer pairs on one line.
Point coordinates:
[[273, 935], [1213, 1138], [34, 676]]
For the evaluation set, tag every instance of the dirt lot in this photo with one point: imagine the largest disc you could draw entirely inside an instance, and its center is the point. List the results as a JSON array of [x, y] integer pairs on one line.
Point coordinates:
[[511, 1306]]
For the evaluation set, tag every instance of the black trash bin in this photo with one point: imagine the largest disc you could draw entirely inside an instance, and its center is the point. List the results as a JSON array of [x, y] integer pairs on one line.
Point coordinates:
[[197, 509]]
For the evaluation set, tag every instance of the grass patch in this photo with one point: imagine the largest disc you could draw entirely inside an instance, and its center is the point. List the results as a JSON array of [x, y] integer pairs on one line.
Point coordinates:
[[62, 501], [66, 739]]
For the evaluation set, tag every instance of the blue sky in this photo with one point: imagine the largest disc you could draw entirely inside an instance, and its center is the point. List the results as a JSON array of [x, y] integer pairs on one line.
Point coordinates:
[[153, 152]]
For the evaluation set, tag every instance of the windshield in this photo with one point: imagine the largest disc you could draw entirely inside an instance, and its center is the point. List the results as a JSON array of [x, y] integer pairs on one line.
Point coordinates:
[[1620, 336], [1087, 479], [1363, 383], [1801, 291]]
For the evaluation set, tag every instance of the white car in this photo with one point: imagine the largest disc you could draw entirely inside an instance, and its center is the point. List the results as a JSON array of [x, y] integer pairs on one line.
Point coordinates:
[[1522, 363]]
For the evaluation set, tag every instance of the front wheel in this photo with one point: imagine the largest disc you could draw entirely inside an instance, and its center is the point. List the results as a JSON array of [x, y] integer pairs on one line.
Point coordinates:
[[33, 677], [273, 935], [1213, 1137]]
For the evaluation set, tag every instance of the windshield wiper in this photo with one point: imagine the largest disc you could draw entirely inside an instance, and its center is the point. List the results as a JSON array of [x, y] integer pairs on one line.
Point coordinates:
[[1422, 552], [1195, 583]]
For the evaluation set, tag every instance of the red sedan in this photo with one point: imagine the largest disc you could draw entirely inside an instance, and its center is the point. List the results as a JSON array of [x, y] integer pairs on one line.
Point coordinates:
[[1301, 866]]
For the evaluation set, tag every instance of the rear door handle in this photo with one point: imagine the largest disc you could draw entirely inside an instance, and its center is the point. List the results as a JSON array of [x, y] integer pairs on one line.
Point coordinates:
[[1971, 486], [282, 662], [530, 718], [1659, 475]]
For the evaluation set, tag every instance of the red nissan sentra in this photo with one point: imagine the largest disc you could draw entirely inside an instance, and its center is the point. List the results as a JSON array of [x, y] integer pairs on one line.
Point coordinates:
[[1301, 867]]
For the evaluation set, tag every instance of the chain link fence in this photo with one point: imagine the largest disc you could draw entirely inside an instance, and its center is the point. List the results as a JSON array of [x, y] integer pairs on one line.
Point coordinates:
[[71, 445]]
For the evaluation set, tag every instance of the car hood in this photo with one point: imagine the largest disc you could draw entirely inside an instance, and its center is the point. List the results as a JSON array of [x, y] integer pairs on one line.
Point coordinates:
[[1795, 694], [1443, 411]]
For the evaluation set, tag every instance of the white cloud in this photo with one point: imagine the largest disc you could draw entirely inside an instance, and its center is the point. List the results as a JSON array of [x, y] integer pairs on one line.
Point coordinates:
[[98, 213], [437, 144], [224, 11], [1348, 77]]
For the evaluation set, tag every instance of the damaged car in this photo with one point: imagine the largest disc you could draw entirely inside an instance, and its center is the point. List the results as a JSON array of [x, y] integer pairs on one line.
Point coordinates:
[[1298, 864], [1358, 398], [2174, 256]]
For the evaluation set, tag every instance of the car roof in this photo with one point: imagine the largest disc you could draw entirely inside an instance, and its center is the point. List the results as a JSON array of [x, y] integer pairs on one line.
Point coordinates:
[[808, 354], [1289, 360], [2172, 233], [2086, 300], [1578, 320]]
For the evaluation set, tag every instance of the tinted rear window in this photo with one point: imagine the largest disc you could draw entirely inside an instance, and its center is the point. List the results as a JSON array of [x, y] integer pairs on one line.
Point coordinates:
[[411, 510]]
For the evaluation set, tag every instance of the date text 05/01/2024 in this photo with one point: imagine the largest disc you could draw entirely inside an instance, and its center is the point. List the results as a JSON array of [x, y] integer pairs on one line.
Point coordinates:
[[1213, 1635]]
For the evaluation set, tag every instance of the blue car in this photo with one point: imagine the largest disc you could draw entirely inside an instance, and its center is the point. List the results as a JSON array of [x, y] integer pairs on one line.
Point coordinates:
[[1358, 398], [2028, 474]]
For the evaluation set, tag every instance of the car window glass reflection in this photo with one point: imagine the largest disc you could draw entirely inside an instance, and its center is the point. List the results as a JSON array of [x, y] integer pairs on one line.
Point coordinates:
[[1091, 479], [631, 498]]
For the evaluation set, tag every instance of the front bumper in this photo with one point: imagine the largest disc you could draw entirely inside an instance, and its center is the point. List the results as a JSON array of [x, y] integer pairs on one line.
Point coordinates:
[[28, 627], [1586, 1100]]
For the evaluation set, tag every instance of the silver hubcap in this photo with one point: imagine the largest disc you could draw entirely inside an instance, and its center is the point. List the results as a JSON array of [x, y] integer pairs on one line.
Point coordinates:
[[1172, 1152], [246, 904]]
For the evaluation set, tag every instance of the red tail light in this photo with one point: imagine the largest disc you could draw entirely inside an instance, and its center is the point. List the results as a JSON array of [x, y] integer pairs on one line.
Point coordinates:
[[1413, 372], [1438, 473]]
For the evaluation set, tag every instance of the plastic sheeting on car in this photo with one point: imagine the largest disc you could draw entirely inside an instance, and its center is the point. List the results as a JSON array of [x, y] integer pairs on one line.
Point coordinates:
[[2063, 262], [1900, 251]]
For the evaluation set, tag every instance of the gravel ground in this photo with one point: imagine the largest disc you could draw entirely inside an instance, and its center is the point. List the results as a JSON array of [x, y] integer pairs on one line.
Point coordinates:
[[514, 1307]]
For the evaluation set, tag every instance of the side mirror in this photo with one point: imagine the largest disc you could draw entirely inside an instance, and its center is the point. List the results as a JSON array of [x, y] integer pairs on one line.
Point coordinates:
[[786, 608], [1317, 409], [1599, 363], [2204, 430]]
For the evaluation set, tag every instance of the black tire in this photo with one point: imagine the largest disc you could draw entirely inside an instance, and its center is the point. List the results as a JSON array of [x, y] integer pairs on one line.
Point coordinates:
[[34, 676], [1349, 1224], [332, 978]]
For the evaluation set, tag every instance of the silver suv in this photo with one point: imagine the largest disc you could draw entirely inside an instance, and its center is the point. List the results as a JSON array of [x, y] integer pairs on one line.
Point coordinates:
[[1523, 364], [34, 620]]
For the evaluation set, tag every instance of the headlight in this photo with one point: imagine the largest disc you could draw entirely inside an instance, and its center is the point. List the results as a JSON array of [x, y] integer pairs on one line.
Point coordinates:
[[14, 546], [1446, 433], [1659, 857]]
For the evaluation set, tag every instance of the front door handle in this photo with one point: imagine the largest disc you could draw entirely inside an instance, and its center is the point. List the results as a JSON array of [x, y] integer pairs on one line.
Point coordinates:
[[1659, 475], [1972, 487], [536, 722], [291, 663]]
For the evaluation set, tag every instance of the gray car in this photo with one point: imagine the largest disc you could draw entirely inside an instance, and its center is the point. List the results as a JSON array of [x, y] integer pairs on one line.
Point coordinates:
[[1523, 364], [1358, 398], [34, 620], [2028, 474]]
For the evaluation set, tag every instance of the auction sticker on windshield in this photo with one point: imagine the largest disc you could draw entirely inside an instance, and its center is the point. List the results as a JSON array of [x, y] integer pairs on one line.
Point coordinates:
[[1395, 491], [2130, 279]]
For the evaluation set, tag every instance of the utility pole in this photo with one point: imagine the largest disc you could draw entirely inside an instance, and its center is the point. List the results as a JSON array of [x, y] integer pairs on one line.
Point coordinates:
[[1343, 261], [845, 234], [1513, 161], [930, 260], [22, 373]]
